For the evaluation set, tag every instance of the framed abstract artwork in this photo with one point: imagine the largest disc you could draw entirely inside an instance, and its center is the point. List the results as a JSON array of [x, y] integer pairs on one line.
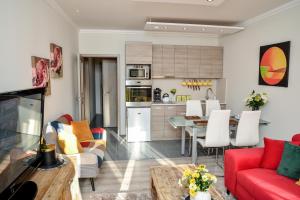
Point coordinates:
[[274, 64], [40, 73], [56, 61]]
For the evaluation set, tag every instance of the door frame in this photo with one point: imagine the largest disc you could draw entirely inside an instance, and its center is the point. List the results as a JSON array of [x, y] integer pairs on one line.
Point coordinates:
[[116, 56]]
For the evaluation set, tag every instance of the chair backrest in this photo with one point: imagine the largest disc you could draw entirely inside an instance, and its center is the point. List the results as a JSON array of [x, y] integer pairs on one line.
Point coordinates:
[[217, 132], [194, 108], [248, 129], [212, 105]]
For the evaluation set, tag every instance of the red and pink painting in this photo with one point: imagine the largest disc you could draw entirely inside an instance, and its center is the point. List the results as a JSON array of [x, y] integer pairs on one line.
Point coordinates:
[[56, 61], [40, 73]]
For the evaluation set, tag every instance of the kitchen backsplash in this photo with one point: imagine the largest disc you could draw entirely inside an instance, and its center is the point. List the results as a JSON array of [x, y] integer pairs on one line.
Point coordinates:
[[167, 84]]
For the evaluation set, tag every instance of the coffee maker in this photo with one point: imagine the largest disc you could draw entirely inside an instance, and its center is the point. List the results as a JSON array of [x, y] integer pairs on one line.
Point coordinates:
[[157, 95]]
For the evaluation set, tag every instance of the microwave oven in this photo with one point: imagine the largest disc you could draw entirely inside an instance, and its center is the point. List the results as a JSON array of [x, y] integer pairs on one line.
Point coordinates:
[[138, 72]]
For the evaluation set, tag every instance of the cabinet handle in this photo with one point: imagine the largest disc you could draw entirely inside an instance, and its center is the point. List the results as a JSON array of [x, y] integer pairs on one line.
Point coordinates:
[[139, 113]]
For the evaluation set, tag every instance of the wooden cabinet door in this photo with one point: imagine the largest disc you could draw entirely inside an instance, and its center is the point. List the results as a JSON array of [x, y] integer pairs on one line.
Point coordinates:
[[138, 53], [157, 61], [193, 61], [170, 131], [211, 62], [180, 61], [157, 122], [168, 61]]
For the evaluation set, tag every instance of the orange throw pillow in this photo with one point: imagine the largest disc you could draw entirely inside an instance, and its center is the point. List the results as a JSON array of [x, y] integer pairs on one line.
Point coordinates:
[[67, 141], [82, 130]]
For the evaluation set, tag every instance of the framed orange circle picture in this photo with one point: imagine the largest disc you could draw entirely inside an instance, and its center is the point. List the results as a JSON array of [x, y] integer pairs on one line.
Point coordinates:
[[274, 64]]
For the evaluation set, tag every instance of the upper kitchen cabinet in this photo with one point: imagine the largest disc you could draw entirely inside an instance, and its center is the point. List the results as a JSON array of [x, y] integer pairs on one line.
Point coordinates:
[[211, 65], [138, 53], [180, 61], [193, 61], [168, 67], [157, 52]]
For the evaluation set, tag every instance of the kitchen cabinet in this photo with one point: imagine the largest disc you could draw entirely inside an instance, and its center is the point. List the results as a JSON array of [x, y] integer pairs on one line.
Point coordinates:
[[157, 64], [168, 67], [161, 129], [180, 61], [138, 124], [193, 61], [138, 53], [211, 65]]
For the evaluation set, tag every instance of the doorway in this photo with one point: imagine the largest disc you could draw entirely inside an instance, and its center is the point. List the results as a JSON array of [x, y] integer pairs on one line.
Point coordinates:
[[99, 91]]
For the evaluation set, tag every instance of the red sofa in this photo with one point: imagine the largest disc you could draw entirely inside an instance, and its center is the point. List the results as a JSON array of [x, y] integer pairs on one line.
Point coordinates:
[[245, 180]]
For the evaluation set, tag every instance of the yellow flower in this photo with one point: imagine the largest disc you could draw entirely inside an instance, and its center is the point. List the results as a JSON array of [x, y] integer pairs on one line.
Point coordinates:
[[192, 181], [200, 167], [187, 173], [205, 177], [195, 175], [192, 193]]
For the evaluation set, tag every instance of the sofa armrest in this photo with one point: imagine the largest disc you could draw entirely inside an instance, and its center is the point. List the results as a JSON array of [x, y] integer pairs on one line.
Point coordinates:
[[99, 133], [239, 159]]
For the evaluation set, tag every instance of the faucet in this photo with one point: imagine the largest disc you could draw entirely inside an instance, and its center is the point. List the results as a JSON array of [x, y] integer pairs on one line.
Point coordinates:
[[211, 91]]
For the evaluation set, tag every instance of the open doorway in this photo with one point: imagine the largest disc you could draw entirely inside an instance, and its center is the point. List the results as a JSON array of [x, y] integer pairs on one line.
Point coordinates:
[[99, 91]]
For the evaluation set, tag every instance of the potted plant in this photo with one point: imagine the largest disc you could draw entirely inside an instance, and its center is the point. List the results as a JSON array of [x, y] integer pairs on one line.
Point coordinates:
[[173, 92], [198, 182], [256, 100]]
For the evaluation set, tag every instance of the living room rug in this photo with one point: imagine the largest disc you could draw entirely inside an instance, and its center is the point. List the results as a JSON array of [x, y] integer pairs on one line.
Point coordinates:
[[130, 179]]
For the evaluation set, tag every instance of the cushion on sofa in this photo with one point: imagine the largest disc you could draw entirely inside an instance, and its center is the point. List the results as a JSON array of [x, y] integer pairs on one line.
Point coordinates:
[[82, 130], [272, 153], [290, 162], [67, 141], [296, 137], [265, 184]]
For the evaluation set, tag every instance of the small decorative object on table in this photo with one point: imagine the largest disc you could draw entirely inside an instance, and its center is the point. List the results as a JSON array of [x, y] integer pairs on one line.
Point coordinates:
[[198, 182], [256, 100], [173, 92]]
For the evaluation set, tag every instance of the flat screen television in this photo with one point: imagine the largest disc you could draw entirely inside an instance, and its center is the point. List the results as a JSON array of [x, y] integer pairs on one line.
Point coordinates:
[[21, 125]]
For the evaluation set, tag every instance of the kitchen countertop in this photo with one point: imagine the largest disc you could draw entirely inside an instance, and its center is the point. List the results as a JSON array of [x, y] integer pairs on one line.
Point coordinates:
[[175, 104]]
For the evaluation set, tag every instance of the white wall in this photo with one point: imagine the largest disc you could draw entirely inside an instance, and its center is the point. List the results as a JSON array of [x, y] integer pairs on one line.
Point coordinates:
[[27, 29], [241, 63], [113, 43]]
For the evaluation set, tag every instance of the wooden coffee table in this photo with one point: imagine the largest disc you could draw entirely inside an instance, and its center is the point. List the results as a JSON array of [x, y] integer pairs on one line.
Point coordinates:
[[164, 183]]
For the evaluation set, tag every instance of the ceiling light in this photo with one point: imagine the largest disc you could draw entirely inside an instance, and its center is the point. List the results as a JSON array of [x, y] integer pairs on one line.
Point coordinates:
[[191, 28], [209, 0]]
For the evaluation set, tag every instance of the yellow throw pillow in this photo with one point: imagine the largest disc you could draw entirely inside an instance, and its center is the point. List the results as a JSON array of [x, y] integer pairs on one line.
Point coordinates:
[[67, 141], [82, 130], [298, 182]]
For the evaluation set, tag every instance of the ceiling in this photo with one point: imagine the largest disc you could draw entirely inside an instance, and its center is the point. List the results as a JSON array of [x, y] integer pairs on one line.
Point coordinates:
[[132, 14]]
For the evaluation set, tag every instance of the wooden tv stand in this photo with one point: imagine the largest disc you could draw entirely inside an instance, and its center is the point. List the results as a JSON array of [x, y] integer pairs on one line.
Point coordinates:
[[55, 183]]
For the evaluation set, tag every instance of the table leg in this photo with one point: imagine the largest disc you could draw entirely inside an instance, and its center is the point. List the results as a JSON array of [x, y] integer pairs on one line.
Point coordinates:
[[194, 146], [182, 140]]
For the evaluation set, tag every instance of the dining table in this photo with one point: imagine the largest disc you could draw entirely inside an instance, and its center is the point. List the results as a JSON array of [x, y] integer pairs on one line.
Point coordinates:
[[195, 123]]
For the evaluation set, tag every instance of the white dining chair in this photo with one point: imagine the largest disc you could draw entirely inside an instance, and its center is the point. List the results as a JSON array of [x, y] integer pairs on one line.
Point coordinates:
[[217, 131], [247, 133], [194, 108], [211, 105]]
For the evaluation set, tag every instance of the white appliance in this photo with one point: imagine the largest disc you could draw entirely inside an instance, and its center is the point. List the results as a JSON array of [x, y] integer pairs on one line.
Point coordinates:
[[137, 72], [138, 124]]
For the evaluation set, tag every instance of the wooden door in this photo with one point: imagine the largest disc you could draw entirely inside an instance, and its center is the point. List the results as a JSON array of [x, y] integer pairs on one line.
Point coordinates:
[[193, 61], [180, 61], [157, 61], [168, 69], [138, 52], [157, 122], [211, 62]]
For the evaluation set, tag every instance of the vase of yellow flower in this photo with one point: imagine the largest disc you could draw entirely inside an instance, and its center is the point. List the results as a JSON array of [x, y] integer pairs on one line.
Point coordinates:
[[198, 182]]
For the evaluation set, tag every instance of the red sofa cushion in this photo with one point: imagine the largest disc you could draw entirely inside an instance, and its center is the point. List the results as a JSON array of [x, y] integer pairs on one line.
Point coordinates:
[[272, 153], [296, 137], [265, 184]]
